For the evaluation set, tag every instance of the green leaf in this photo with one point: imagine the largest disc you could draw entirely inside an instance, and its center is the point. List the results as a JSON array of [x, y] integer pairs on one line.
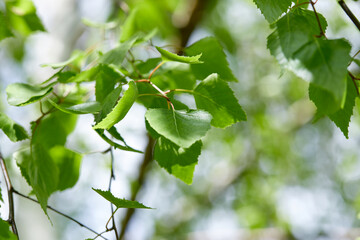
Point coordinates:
[[5, 233], [21, 16], [83, 108], [216, 97], [273, 9], [168, 56], [54, 129], [178, 161], [323, 100], [108, 103], [76, 56], [5, 31], [118, 202], [182, 128], [68, 163], [342, 117], [121, 108], [14, 131], [213, 57], [20, 94], [106, 80], [320, 61], [114, 144], [40, 171], [296, 29], [117, 55]]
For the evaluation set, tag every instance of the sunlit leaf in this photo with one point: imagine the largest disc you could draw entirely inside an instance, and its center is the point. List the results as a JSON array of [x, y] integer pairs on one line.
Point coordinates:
[[168, 56], [83, 108], [213, 57], [216, 97], [180, 127], [19, 94], [13, 131], [121, 108]]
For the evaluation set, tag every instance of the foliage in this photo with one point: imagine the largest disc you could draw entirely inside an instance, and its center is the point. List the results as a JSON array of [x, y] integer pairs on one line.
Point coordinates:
[[120, 78]]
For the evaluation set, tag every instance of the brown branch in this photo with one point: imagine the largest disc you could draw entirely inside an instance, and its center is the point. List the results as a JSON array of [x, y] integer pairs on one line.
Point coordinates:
[[349, 13], [60, 213], [148, 157], [10, 191], [322, 33], [185, 33]]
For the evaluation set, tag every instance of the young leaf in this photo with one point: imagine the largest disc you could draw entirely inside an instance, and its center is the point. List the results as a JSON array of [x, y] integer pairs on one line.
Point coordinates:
[[121, 108], [168, 56], [40, 171], [342, 117], [273, 9], [118, 202], [177, 161], [68, 163], [117, 55], [76, 56], [82, 108], [108, 103], [114, 144], [21, 16], [20, 94], [182, 128], [216, 97], [213, 57], [5, 233], [14, 131]]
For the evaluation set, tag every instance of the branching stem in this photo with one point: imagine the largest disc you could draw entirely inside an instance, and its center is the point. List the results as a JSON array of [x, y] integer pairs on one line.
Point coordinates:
[[322, 33], [349, 14], [10, 191], [60, 213]]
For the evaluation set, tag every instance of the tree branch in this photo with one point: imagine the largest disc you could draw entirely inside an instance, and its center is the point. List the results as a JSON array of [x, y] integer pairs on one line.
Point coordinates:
[[60, 213], [349, 13], [148, 157], [10, 191], [112, 177], [185, 33]]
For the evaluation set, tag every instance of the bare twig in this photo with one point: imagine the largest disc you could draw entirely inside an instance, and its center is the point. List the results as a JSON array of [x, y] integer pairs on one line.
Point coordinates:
[[148, 157], [112, 177], [10, 191], [322, 33], [185, 32], [60, 213], [349, 13]]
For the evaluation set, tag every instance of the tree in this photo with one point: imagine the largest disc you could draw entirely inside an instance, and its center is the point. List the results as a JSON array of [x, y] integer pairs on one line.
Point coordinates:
[[109, 78]]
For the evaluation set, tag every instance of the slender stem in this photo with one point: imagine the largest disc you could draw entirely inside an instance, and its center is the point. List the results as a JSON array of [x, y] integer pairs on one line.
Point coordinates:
[[349, 13], [112, 177], [353, 78], [10, 191], [148, 156], [322, 33], [156, 68], [60, 213]]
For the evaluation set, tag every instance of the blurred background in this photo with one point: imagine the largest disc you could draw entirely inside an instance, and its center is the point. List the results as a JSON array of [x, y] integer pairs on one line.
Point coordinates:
[[277, 176]]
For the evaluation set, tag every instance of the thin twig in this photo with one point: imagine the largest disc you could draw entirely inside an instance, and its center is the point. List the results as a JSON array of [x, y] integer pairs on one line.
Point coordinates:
[[185, 32], [148, 157], [353, 78], [112, 177], [322, 33], [10, 191], [349, 13], [60, 213]]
